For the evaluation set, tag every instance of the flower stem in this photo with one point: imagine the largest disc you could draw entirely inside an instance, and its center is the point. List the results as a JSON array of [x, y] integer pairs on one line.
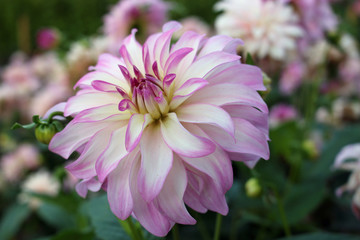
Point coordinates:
[[217, 226], [175, 232], [135, 235], [53, 115], [283, 216]]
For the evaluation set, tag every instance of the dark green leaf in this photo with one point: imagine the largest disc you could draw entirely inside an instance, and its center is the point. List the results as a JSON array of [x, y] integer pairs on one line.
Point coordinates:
[[36, 119], [12, 220]]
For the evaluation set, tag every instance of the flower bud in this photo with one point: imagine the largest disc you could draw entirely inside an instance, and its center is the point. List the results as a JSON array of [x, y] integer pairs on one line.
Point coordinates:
[[253, 188], [45, 132]]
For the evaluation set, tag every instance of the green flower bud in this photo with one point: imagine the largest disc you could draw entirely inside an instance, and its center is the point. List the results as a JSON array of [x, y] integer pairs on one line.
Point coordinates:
[[267, 84], [44, 132], [253, 188]]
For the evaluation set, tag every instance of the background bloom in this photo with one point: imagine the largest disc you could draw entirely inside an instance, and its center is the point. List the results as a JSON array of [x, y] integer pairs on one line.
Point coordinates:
[[157, 127], [268, 28]]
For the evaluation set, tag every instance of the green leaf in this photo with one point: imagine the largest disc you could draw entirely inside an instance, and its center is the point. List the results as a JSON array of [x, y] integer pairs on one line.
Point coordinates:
[[36, 119], [12, 220], [302, 199], [26, 126], [322, 236], [249, 59], [56, 216], [104, 222]]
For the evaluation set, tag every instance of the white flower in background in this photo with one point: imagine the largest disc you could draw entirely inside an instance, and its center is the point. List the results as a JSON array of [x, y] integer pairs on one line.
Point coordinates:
[[351, 151], [268, 28], [41, 182]]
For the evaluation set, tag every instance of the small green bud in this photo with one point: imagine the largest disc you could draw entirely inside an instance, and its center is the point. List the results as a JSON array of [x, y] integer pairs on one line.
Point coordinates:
[[44, 132], [309, 147], [267, 84], [253, 188]]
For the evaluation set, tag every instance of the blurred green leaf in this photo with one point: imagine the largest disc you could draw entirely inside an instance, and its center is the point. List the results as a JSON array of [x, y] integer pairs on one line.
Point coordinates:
[[56, 216], [249, 59], [104, 222], [322, 236], [302, 199], [12, 220]]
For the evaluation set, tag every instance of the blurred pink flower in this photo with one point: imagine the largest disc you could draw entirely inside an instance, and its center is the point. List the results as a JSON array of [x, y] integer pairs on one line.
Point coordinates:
[[14, 164], [268, 28], [193, 24], [156, 127], [292, 77], [316, 17], [147, 15], [47, 38], [281, 113]]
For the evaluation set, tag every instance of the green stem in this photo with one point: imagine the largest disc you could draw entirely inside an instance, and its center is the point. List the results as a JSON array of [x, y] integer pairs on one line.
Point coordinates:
[[53, 114], [283, 216], [175, 232], [135, 235], [217, 226]]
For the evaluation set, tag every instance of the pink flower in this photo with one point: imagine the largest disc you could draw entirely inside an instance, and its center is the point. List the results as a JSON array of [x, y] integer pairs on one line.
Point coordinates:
[[157, 127], [317, 17], [292, 77], [47, 38], [269, 28], [193, 24], [148, 15], [281, 113]]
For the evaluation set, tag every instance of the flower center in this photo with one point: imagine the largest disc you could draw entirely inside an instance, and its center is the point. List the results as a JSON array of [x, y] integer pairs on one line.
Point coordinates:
[[149, 94]]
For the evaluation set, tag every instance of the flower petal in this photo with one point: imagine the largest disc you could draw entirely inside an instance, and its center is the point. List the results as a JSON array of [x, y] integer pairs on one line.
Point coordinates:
[[219, 43], [156, 162], [228, 93], [146, 212], [182, 141], [248, 75], [249, 139], [206, 113], [118, 188], [84, 166], [113, 153], [170, 199], [87, 184], [137, 124]]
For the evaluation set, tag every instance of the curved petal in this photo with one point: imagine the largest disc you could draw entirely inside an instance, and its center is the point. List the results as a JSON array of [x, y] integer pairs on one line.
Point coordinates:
[[111, 156], [109, 63], [182, 141], [156, 162], [228, 93], [170, 199], [218, 43], [206, 113], [146, 212], [88, 100], [87, 184], [137, 124], [84, 166], [102, 113], [205, 64], [249, 139], [248, 75], [257, 118], [88, 78], [134, 48], [118, 188]]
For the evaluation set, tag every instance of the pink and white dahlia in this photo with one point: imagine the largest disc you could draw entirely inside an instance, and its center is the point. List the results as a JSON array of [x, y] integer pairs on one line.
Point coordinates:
[[147, 15], [158, 126], [268, 28]]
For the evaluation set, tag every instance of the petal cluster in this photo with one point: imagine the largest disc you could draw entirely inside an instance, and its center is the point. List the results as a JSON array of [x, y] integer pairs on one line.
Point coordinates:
[[157, 127], [268, 28]]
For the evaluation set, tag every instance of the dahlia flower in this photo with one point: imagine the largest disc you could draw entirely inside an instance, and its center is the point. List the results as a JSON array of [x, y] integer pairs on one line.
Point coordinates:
[[148, 15], [268, 28], [157, 127]]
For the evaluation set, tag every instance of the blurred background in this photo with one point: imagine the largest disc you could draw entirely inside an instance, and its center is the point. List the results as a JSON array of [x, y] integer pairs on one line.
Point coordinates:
[[309, 53]]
